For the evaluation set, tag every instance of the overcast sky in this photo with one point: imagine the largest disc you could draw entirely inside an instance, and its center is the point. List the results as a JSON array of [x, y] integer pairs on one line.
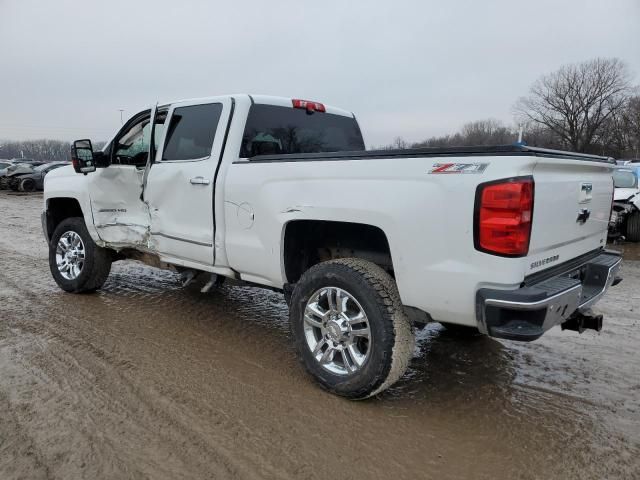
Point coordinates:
[[406, 68]]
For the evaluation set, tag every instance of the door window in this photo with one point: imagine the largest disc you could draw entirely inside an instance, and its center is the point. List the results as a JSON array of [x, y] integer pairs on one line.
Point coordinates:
[[133, 144], [191, 132]]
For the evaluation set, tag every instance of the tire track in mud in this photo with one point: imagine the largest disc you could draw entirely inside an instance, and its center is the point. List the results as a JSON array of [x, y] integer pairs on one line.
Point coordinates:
[[160, 408], [128, 393]]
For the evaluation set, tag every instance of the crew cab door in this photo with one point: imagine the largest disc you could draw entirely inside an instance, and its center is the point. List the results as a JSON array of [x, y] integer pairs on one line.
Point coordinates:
[[180, 182]]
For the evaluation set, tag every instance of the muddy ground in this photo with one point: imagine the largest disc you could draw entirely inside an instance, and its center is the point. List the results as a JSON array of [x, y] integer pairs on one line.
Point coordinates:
[[147, 380]]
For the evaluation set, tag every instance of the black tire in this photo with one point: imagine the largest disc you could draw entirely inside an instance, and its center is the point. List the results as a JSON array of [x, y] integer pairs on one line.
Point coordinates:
[[461, 331], [3, 183], [28, 185], [633, 227], [97, 261], [392, 338]]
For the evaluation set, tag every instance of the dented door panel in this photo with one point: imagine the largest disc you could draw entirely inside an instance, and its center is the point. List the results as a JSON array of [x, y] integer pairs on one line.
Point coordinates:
[[120, 217], [180, 187]]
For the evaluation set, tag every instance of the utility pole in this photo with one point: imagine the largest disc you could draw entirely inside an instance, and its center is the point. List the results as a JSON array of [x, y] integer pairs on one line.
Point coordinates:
[[121, 110]]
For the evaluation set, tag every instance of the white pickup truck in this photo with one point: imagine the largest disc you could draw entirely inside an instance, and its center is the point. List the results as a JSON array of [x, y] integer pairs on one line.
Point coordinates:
[[506, 241]]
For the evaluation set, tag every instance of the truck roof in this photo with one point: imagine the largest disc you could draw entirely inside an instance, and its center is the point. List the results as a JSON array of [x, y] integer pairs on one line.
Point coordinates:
[[266, 99]]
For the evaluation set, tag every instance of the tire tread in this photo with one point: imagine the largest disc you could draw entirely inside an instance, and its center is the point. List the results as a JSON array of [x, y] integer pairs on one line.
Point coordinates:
[[100, 264], [388, 299]]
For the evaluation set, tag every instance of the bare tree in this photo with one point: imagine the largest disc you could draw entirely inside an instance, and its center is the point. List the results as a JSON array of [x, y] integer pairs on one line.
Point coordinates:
[[480, 132], [486, 132], [576, 101], [632, 125], [400, 143]]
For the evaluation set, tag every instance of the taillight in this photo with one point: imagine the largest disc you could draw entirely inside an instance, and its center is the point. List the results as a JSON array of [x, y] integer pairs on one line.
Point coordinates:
[[503, 217], [308, 105]]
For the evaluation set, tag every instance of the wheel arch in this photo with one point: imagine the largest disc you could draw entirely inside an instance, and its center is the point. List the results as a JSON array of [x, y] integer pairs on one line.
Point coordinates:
[[307, 242], [59, 208]]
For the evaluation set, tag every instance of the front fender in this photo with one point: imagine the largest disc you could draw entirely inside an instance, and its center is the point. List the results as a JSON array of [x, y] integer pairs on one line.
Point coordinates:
[[66, 183]]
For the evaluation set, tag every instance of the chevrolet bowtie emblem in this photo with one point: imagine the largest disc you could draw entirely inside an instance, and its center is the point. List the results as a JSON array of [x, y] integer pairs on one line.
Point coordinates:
[[583, 216]]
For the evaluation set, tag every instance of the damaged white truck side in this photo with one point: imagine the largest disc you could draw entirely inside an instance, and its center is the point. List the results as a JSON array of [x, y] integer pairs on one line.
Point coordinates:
[[506, 241]]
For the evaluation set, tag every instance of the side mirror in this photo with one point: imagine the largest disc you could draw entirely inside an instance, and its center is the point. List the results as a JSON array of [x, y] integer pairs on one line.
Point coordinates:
[[100, 160], [82, 157]]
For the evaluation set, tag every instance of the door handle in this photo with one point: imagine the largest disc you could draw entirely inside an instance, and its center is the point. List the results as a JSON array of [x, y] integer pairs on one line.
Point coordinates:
[[199, 181]]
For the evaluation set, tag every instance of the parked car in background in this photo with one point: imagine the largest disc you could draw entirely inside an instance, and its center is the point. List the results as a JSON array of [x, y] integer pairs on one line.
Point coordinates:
[[625, 215], [34, 180], [4, 164], [627, 161], [17, 169]]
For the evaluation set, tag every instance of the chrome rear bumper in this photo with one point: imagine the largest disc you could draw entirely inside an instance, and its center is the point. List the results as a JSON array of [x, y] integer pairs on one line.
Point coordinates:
[[526, 313]]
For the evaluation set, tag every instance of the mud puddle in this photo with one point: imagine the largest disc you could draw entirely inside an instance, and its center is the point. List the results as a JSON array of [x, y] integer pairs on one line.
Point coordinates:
[[147, 380]]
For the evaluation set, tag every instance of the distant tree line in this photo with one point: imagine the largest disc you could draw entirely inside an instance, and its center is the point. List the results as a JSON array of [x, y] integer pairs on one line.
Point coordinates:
[[44, 150], [590, 107]]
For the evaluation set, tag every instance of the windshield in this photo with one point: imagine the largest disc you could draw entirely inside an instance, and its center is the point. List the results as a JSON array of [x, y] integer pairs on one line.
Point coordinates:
[[624, 179], [274, 130]]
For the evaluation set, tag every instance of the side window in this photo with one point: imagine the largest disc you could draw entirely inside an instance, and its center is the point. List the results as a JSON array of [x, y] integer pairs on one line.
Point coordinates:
[[191, 131], [132, 147]]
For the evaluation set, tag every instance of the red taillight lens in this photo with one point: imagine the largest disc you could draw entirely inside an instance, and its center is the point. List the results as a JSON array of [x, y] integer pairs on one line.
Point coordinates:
[[503, 218], [309, 105]]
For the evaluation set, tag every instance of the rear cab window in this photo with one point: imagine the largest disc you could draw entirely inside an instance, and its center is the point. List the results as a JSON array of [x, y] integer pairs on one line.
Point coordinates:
[[279, 130]]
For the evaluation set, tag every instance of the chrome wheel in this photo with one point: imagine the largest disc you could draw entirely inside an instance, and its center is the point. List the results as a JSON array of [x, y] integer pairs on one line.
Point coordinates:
[[70, 255], [337, 331]]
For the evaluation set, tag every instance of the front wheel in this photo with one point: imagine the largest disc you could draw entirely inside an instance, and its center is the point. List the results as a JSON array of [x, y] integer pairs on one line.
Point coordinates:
[[77, 264], [350, 329]]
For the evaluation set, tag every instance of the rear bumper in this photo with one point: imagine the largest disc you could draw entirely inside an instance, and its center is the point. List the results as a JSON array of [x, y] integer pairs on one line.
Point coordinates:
[[526, 313]]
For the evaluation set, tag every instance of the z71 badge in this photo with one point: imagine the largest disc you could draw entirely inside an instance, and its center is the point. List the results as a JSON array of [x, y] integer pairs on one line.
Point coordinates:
[[459, 168]]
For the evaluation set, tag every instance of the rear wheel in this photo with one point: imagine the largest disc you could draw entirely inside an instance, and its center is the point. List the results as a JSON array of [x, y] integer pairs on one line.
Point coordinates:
[[633, 227], [350, 329], [77, 264], [28, 185]]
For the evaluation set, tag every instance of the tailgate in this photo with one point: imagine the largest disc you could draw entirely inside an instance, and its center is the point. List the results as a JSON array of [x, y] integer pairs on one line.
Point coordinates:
[[572, 204]]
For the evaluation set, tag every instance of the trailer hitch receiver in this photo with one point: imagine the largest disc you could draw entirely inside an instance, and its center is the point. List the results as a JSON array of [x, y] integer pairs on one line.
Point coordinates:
[[583, 320]]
